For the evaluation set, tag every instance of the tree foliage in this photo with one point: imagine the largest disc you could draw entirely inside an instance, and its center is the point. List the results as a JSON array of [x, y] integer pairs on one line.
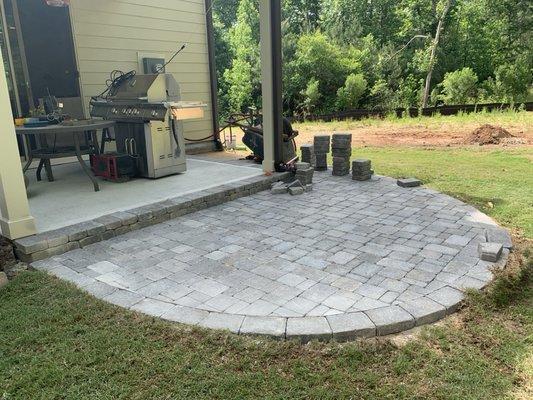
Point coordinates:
[[332, 47], [459, 87], [349, 96]]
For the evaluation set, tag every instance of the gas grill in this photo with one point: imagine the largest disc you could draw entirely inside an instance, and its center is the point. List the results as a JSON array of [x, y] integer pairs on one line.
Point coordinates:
[[149, 112]]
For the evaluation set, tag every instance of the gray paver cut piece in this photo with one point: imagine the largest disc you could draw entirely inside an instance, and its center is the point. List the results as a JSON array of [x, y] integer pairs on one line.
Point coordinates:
[[409, 182], [490, 251]]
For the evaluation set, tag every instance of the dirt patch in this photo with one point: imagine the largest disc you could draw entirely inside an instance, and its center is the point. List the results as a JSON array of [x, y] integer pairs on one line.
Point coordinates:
[[425, 133], [488, 134], [7, 257]]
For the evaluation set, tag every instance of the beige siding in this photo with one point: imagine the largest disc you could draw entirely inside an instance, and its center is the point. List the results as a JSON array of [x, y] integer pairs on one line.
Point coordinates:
[[109, 34]]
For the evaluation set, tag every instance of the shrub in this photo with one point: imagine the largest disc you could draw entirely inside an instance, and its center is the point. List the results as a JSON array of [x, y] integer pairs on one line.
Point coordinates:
[[349, 96], [311, 96], [459, 87]]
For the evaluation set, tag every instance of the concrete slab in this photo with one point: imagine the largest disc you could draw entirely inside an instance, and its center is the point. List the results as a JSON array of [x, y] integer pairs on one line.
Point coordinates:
[[71, 198]]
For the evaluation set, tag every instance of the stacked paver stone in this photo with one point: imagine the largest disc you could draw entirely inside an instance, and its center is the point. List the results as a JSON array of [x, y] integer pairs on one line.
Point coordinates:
[[322, 148], [362, 170], [304, 173], [308, 154], [341, 148]]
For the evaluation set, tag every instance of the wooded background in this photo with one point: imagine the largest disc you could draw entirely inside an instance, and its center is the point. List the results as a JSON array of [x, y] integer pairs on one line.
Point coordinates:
[[345, 54]]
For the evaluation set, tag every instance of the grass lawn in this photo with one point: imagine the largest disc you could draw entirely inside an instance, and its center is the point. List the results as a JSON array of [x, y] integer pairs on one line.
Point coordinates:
[[504, 118], [57, 342]]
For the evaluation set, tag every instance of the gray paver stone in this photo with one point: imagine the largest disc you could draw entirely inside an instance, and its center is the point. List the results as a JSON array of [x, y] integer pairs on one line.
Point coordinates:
[[267, 326], [185, 315], [124, 298], [409, 182], [391, 319], [308, 328], [32, 244], [295, 191], [110, 222], [226, 322], [424, 310], [351, 325], [449, 297], [490, 251], [152, 307]]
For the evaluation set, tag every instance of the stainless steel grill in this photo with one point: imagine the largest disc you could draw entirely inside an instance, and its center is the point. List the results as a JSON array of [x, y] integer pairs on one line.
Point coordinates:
[[149, 114]]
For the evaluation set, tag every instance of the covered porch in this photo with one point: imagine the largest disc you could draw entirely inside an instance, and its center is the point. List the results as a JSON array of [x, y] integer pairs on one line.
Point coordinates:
[[27, 215]]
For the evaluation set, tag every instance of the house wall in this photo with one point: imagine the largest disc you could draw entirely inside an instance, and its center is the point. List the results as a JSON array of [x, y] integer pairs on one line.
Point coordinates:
[[110, 34]]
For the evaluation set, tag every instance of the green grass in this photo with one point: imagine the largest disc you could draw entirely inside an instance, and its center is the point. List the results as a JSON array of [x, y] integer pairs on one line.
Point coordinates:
[[58, 343], [496, 117]]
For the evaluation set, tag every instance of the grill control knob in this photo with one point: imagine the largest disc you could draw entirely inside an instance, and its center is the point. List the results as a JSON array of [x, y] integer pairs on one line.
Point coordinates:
[[154, 113], [124, 111], [135, 111], [114, 111]]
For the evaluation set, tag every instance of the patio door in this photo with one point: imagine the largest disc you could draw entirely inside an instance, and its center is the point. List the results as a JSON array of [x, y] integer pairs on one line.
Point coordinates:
[[38, 42]]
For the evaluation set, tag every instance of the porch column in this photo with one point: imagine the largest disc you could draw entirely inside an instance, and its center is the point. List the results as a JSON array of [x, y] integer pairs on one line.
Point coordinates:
[[15, 219], [271, 67]]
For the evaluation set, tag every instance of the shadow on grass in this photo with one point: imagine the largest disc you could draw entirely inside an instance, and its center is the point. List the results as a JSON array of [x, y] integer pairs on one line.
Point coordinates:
[[480, 202]]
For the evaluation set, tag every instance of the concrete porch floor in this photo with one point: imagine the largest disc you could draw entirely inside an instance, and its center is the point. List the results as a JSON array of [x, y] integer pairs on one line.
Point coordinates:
[[71, 199]]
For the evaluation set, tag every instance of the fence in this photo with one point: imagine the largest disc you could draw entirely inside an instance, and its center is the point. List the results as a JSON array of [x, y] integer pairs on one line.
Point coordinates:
[[413, 112]]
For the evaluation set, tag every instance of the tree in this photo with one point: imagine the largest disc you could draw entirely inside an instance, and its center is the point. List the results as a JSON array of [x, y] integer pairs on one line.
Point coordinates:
[[347, 21], [317, 58], [440, 26], [349, 96], [243, 77], [459, 87], [325, 41], [301, 16], [226, 11], [311, 96], [513, 81]]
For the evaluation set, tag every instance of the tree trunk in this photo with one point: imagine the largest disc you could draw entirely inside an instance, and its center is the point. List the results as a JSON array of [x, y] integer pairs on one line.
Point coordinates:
[[434, 46]]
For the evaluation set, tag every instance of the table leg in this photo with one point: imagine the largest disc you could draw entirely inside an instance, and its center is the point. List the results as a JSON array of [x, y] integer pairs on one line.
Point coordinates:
[[105, 135], [84, 166], [96, 146], [40, 169], [28, 163], [48, 169], [29, 155]]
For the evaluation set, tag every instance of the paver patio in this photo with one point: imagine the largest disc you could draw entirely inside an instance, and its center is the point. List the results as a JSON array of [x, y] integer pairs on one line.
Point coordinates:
[[349, 259]]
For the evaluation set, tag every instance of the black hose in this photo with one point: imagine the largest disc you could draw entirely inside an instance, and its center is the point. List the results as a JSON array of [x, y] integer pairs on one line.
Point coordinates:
[[200, 140], [115, 80]]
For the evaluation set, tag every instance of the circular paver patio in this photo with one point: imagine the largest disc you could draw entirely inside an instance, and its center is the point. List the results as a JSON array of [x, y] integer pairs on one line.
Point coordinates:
[[349, 259]]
